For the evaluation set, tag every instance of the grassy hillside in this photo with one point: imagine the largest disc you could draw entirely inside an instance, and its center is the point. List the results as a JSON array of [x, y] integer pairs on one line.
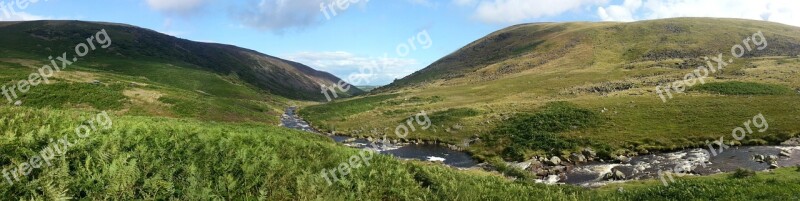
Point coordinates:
[[608, 70], [158, 158], [146, 88], [131, 45], [146, 73]]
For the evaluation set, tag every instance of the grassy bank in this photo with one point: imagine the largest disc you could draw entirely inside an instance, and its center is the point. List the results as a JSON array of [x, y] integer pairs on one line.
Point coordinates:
[[162, 158]]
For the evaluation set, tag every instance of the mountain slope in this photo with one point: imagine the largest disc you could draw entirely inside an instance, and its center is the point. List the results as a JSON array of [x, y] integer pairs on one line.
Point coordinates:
[[39, 39], [552, 88], [526, 46]]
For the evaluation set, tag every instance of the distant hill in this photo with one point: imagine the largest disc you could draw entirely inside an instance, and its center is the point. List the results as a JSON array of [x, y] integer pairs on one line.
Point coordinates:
[[39, 39], [367, 88]]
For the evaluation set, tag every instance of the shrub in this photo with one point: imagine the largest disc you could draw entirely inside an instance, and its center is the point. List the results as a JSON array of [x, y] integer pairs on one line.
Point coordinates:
[[742, 173], [57, 95], [540, 130], [451, 115]]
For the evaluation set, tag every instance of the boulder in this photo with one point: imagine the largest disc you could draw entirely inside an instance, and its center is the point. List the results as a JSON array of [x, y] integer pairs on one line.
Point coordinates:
[[18, 103], [577, 158], [559, 169], [774, 165], [521, 166], [623, 159], [553, 161], [785, 153], [759, 158], [614, 175], [792, 142], [771, 159], [589, 153], [618, 175]]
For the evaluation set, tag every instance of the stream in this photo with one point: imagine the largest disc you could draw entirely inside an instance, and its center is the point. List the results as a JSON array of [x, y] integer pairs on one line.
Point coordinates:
[[590, 174], [425, 152]]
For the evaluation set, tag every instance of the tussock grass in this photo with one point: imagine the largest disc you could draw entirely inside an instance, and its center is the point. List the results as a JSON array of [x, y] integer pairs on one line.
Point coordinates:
[[744, 88], [452, 115], [539, 131]]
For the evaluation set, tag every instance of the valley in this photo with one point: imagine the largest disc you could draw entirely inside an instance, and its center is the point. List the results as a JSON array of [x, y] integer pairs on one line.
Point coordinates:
[[542, 111]]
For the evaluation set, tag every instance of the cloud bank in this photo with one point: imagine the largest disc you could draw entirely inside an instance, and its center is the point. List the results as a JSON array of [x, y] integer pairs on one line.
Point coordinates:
[[381, 70]]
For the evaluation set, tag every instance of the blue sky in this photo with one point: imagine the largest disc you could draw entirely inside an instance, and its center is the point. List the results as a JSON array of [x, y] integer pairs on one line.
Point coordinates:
[[365, 33]]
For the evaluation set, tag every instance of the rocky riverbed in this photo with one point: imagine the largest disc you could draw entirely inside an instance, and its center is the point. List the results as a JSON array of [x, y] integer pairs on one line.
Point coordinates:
[[585, 168], [588, 171]]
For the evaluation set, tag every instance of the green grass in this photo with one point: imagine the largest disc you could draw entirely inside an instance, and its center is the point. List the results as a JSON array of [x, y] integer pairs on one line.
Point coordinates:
[[343, 109], [163, 159], [744, 88], [66, 95], [774, 185], [179, 90], [742, 173], [157, 158], [452, 115], [539, 131]]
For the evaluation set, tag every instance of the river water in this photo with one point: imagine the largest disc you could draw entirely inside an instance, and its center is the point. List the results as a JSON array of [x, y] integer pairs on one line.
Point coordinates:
[[590, 174], [425, 152]]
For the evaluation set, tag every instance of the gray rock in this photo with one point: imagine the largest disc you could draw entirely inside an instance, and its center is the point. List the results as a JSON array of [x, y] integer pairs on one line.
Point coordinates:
[[577, 158], [792, 142], [623, 159], [614, 175], [589, 153], [18, 103], [560, 169], [773, 165], [785, 153], [771, 159], [553, 161], [522, 165], [759, 158]]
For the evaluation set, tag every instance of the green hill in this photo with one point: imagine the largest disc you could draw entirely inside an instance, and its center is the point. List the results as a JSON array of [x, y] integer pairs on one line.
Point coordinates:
[[134, 47], [605, 72], [143, 72]]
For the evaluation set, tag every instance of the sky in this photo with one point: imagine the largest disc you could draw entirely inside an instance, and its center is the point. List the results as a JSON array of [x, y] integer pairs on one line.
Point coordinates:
[[350, 37]]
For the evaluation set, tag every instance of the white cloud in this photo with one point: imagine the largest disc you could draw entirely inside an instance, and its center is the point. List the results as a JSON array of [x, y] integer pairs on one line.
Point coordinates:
[[20, 16], [515, 11], [181, 7], [278, 15], [281, 15], [622, 12], [786, 12], [351, 67]]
